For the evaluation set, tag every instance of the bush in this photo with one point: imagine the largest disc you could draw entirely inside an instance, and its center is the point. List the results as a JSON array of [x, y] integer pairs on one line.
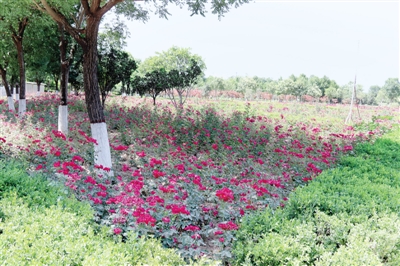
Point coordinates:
[[347, 216], [58, 237], [40, 224]]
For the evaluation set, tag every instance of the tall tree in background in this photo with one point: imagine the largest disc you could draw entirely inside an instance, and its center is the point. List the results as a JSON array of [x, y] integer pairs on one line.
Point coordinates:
[[14, 19], [87, 35], [115, 65], [392, 89]]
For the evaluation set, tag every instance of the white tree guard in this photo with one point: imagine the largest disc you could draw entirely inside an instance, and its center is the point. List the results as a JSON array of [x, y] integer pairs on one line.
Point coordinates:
[[102, 149], [11, 106], [63, 119], [22, 107]]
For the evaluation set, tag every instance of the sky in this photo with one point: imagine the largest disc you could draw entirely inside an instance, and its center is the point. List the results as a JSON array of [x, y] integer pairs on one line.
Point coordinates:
[[273, 39]]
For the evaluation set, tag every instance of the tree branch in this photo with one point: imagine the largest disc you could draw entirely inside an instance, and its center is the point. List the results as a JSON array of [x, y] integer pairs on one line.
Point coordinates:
[[108, 6], [60, 18]]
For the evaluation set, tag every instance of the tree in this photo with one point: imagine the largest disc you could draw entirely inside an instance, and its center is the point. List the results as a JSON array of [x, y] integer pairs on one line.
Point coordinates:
[[115, 66], [41, 50], [392, 89], [152, 83], [331, 93], [182, 82], [14, 19], [372, 94], [87, 36], [213, 84], [183, 69]]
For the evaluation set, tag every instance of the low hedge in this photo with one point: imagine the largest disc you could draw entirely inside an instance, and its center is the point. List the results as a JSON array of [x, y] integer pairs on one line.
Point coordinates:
[[41, 225], [349, 215]]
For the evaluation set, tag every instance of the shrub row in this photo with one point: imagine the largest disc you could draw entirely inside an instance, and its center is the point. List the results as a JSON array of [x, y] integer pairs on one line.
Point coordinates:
[[41, 225], [349, 215]]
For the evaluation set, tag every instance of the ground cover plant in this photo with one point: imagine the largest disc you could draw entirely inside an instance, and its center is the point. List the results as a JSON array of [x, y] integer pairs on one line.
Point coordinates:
[[42, 224], [188, 177], [349, 215]]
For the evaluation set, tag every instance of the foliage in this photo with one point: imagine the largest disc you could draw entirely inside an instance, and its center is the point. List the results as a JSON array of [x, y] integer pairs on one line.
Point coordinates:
[[115, 66], [39, 224], [180, 69], [188, 178], [346, 216]]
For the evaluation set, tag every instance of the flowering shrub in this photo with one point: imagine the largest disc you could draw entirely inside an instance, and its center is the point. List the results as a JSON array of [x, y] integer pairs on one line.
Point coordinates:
[[186, 178]]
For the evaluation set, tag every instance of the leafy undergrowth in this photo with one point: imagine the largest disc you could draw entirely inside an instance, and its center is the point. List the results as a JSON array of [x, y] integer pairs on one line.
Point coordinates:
[[187, 178], [40, 224], [349, 215]]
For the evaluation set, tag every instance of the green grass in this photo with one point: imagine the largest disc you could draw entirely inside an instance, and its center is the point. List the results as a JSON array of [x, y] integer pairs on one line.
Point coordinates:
[[40, 224]]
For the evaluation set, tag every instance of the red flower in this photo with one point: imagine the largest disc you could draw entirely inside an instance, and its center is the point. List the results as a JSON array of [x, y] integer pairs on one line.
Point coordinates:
[[146, 219], [228, 226], [225, 194], [39, 167], [215, 146]]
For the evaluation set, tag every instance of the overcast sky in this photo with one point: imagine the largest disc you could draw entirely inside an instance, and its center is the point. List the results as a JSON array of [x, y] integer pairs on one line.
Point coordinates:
[[275, 39]]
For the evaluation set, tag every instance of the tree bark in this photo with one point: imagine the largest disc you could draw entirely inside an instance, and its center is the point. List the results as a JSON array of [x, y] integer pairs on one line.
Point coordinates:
[[17, 37], [65, 65], [91, 84]]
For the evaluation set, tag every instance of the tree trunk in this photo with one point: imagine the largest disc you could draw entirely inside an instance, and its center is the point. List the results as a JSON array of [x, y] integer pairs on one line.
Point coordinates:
[[65, 67], [92, 94], [3, 73], [17, 39], [16, 92], [38, 82]]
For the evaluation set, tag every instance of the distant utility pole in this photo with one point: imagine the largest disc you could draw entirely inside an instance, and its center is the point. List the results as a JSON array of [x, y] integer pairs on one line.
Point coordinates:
[[354, 94]]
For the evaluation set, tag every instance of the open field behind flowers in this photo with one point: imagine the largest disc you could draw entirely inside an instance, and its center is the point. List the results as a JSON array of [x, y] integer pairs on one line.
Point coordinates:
[[188, 177]]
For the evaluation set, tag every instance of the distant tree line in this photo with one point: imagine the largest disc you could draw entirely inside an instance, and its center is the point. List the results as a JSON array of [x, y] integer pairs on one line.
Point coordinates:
[[301, 88]]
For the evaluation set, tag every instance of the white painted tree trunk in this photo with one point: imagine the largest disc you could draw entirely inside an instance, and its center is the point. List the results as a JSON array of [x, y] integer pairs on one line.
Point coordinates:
[[16, 96], [22, 107], [102, 151], [11, 106], [63, 119]]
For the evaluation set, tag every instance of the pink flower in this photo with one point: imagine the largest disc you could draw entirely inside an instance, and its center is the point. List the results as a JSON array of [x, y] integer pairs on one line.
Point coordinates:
[[177, 209], [117, 231], [221, 239], [225, 194], [196, 236], [192, 228], [141, 154], [215, 146], [120, 148], [157, 173], [166, 219], [39, 167]]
